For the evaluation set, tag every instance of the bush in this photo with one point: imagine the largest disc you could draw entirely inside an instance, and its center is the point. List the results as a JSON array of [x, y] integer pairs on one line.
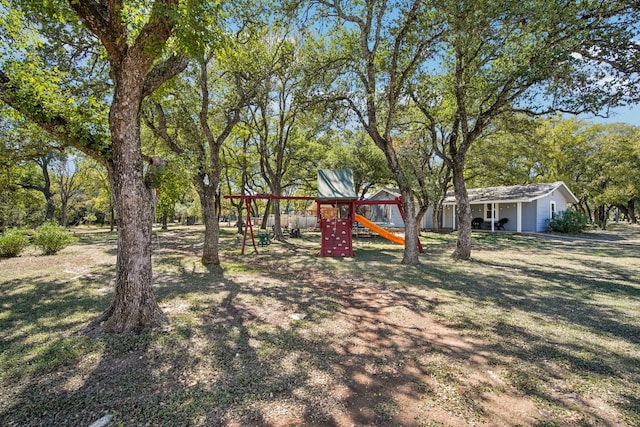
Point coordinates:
[[12, 242], [52, 238], [569, 221]]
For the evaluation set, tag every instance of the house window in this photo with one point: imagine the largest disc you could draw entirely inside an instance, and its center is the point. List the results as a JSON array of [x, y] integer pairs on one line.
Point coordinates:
[[552, 209], [488, 211]]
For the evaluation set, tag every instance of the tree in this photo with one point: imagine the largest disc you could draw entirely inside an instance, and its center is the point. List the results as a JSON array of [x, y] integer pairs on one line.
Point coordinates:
[[69, 184], [100, 199], [376, 48], [348, 149], [171, 189], [504, 57], [41, 182], [196, 123], [514, 153], [613, 163], [132, 50], [430, 176], [240, 170], [277, 119], [23, 142], [598, 162]]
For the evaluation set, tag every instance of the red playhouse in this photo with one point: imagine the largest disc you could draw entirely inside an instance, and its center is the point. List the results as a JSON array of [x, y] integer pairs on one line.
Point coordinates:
[[337, 204]]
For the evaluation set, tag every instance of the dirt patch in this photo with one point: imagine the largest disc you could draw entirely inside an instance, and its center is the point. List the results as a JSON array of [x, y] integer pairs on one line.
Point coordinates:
[[386, 362]]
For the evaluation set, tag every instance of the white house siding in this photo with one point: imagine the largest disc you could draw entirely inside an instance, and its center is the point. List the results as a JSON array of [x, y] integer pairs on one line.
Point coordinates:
[[529, 215], [543, 213], [561, 201], [544, 209], [427, 219], [446, 216]]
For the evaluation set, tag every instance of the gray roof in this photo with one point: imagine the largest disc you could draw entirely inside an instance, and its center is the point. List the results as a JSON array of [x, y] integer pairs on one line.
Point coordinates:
[[393, 192], [514, 193]]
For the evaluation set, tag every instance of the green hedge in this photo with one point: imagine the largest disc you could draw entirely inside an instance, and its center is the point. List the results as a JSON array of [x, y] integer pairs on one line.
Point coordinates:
[[569, 221], [51, 238], [12, 242]]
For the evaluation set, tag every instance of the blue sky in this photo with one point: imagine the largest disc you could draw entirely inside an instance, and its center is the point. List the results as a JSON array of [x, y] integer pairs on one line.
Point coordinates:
[[629, 115]]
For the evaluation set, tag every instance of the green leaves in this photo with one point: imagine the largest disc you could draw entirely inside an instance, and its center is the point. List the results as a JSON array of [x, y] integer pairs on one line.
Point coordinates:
[[51, 238]]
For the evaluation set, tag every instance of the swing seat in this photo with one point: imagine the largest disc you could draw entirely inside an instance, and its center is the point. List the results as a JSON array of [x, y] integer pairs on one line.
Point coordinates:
[[263, 239]]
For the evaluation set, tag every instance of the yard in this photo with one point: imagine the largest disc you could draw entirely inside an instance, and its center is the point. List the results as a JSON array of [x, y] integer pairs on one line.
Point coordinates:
[[535, 331]]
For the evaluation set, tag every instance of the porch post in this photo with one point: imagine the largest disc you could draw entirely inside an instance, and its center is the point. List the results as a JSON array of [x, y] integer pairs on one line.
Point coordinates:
[[453, 217], [519, 218], [494, 206]]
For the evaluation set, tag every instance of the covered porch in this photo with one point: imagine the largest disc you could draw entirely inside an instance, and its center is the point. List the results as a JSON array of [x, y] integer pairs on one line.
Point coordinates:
[[491, 216]]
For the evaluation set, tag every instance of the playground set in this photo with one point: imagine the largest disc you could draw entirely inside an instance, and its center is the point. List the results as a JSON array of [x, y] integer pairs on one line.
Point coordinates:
[[337, 208]]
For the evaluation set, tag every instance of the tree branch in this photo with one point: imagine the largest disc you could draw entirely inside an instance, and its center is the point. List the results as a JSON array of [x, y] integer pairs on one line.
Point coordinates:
[[103, 20], [73, 133], [156, 31], [164, 71]]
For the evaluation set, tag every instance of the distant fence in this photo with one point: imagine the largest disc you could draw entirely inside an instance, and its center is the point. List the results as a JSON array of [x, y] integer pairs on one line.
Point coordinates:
[[291, 221]]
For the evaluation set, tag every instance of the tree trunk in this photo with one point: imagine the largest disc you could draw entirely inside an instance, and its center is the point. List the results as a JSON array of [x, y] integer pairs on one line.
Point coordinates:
[[411, 251], [240, 209], [50, 208], [46, 189], [112, 217], [164, 219], [602, 218], [436, 217], [463, 243], [210, 251], [134, 306], [422, 210], [631, 209], [265, 216], [277, 221], [63, 211]]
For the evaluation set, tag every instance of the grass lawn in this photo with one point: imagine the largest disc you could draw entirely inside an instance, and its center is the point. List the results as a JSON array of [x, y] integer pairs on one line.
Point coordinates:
[[534, 331]]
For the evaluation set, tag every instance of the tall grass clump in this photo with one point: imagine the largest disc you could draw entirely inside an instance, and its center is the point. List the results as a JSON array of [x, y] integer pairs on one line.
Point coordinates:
[[52, 238], [12, 242]]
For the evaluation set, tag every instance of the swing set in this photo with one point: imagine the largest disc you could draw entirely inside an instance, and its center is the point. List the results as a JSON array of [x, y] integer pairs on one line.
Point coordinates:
[[336, 207]]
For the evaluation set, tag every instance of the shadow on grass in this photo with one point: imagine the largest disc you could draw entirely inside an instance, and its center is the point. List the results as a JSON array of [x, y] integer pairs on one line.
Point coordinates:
[[235, 351], [42, 306], [243, 361], [569, 296]]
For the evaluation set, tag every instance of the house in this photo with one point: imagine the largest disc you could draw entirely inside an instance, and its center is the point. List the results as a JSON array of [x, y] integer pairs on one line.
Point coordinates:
[[525, 207], [389, 215]]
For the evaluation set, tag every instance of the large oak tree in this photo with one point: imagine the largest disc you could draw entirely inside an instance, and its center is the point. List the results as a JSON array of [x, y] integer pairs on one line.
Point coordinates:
[[133, 51]]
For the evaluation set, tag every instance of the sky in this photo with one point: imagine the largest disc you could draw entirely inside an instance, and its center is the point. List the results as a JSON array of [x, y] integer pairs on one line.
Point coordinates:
[[629, 115]]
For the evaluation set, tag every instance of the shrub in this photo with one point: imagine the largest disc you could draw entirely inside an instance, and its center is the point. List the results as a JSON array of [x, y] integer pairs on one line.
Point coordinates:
[[569, 221], [12, 242], [52, 238]]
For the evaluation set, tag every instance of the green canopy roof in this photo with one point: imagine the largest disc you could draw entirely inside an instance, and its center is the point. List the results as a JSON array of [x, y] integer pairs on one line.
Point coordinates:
[[336, 184]]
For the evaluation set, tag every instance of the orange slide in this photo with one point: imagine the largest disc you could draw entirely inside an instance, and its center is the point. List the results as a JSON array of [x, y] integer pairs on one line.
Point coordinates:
[[381, 231]]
